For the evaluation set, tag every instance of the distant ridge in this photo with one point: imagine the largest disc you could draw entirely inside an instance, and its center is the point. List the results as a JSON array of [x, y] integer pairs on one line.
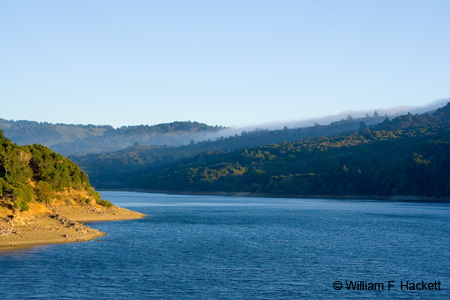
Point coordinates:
[[407, 157], [113, 169], [69, 139]]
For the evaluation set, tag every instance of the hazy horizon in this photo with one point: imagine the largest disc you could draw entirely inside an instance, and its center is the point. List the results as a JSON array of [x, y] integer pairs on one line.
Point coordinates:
[[279, 124]]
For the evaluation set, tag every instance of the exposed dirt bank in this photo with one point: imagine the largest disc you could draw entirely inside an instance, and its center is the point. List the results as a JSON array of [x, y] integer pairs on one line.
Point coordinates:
[[51, 224]]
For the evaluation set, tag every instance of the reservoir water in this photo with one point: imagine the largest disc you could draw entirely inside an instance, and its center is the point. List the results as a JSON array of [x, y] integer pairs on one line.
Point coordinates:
[[217, 247]]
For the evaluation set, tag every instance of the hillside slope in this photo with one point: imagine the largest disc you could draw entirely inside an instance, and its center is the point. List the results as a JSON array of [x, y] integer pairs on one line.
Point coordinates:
[[43, 194], [116, 169], [407, 156]]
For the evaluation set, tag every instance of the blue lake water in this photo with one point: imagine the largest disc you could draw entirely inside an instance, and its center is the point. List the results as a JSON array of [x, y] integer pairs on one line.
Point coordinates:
[[217, 247]]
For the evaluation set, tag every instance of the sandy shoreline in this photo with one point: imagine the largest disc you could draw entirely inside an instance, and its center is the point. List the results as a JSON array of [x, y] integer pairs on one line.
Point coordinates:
[[52, 224]]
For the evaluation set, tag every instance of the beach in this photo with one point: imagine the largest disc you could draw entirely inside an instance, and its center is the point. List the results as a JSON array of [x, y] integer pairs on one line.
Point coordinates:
[[53, 224]]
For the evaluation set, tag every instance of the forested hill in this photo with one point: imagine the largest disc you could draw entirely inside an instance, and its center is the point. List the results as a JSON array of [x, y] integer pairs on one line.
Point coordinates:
[[84, 139], [112, 170], [35, 173], [408, 156]]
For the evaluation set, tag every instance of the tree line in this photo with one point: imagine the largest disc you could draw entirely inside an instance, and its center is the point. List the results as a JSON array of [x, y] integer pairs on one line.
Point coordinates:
[[409, 155], [85, 139], [114, 169], [35, 173]]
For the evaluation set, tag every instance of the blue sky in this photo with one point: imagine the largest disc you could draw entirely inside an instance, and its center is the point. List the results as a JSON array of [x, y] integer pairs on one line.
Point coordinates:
[[219, 62]]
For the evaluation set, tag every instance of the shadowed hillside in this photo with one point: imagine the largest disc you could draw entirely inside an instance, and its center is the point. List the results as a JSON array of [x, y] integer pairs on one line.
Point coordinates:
[[406, 156], [113, 170]]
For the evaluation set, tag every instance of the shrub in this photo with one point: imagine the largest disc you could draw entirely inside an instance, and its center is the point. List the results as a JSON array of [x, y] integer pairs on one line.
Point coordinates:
[[105, 203], [21, 205], [44, 191]]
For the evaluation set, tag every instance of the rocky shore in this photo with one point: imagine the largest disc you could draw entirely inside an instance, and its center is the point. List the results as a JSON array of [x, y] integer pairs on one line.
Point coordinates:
[[51, 224]]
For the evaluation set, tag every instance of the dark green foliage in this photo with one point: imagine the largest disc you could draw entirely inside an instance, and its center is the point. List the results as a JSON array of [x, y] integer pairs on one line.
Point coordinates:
[[409, 155], [22, 194], [51, 167], [20, 166], [119, 169]]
